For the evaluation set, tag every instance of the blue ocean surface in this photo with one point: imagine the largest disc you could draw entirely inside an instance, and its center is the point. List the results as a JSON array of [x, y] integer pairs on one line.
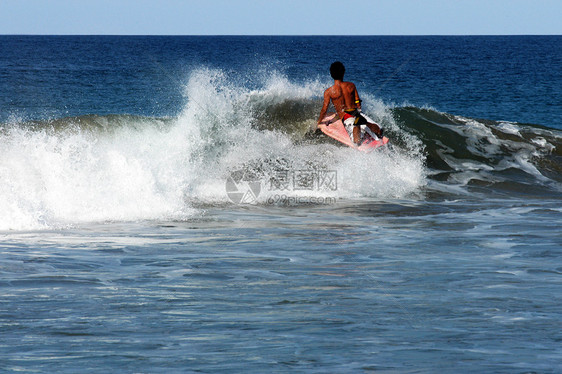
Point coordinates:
[[168, 206]]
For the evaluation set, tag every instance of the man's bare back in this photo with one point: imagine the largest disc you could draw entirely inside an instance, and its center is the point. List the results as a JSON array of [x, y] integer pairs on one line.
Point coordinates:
[[343, 95], [346, 101]]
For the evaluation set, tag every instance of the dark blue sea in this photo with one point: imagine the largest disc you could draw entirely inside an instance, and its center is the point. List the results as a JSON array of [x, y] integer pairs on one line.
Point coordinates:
[[167, 206]]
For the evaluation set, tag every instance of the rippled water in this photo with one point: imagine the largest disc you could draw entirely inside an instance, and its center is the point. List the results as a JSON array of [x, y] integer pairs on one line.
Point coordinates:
[[408, 286]]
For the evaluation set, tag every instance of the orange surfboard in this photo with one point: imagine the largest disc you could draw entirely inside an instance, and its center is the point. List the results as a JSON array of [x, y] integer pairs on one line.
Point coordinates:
[[334, 128]]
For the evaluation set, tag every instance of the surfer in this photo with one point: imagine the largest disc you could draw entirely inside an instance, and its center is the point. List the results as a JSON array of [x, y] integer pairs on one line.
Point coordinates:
[[346, 100]]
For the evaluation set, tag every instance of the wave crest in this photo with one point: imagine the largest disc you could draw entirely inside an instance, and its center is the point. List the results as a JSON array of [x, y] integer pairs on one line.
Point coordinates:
[[119, 167]]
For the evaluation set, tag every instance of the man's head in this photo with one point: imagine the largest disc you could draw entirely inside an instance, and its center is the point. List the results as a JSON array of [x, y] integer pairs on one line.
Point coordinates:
[[337, 70]]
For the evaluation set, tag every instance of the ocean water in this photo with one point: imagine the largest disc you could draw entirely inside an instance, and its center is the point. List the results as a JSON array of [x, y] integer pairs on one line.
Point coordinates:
[[167, 206]]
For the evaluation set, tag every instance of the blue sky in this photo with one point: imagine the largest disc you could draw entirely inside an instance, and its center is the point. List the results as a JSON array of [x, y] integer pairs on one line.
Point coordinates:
[[281, 17]]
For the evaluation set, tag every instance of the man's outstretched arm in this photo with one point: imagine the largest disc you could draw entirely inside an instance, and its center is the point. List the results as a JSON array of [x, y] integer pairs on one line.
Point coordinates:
[[324, 106]]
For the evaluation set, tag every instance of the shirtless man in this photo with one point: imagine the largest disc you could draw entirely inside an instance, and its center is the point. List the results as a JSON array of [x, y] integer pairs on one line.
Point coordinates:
[[346, 100]]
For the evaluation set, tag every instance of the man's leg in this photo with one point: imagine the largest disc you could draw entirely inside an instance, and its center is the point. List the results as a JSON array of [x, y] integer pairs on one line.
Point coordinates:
[[356, 134], [375, 128]]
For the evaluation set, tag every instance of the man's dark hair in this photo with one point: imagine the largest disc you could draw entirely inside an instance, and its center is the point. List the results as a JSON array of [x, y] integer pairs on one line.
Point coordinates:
[[337, 70]]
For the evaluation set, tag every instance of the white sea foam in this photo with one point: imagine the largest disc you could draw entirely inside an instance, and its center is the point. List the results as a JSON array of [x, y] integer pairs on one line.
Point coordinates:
[[55, 178]]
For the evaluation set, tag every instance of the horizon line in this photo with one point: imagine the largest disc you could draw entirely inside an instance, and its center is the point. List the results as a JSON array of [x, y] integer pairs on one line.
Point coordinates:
[[269, 35]]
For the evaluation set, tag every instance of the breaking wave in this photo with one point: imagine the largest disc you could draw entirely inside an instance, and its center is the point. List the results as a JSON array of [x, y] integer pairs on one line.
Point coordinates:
[[63, 172]]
